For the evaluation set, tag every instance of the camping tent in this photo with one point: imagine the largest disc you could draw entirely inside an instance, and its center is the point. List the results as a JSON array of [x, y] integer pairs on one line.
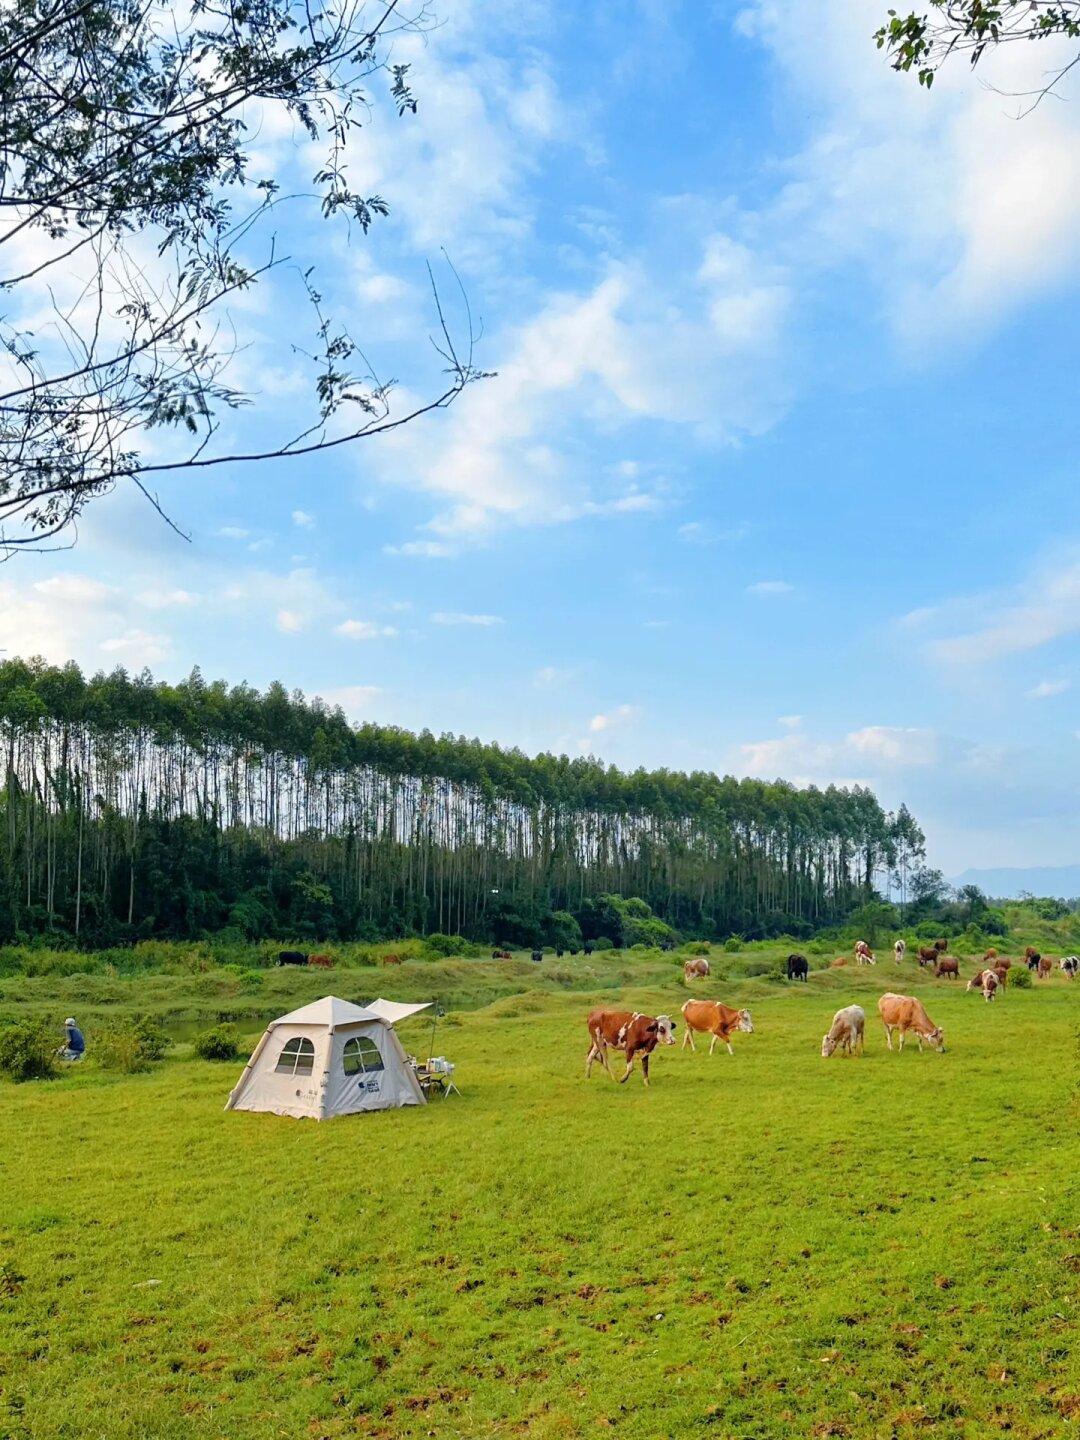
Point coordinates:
[[330, 1058]]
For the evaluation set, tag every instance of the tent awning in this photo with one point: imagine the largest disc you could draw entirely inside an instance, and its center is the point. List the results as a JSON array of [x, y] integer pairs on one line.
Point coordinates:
[[331, 1011], [394, 1010]]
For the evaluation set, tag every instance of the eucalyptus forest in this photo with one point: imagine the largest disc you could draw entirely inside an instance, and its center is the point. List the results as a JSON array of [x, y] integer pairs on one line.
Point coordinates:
[[133, 808]]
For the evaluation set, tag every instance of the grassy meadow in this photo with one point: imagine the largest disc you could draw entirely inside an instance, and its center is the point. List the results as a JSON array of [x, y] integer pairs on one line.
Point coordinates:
[[764, 1245]]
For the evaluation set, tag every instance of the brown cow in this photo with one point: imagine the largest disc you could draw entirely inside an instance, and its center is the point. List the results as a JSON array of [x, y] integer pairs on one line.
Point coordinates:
[[927, 955], [1030, 953], [392, 959], [836, 964], [904, 1013], [987, 981], [1002, 973], [991, 954], [712, 1018], [947, 965], [1003, 963], [695, 969], [1045, 966], [941, 946], [324, 962], [630, 1032]]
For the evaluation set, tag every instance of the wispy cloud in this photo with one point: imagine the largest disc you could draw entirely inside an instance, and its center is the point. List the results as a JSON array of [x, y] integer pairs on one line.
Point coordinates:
[[458, 617], [621, 715], [303, 520], [1045, 689], [364, 630], [421, 549], [770, 587], [289, 622]]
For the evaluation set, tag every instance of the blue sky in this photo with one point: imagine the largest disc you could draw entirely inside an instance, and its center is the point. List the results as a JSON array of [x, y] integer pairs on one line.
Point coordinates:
[[777, 476]]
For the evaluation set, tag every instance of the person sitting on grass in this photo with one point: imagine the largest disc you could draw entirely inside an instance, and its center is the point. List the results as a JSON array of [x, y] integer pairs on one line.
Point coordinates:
[[74, 1044]]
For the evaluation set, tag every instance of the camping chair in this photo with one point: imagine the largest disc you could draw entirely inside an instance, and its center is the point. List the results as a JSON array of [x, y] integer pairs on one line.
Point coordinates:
[[436, 1077]]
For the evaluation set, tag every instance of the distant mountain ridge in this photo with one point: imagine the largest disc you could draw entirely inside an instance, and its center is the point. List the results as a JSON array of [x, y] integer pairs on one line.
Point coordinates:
[[1007, 882]]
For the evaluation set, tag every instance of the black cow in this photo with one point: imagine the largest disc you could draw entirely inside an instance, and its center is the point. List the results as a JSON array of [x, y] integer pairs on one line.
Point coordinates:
[[1033, 960], [797, 967], [537, 956], [291, 957]]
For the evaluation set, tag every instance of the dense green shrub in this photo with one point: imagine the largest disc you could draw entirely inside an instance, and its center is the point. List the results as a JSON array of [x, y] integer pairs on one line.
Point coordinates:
[[132, 1045], [602, 943], [219, 1043], [445, 945], [733, 943], [1020, 977], [28, 1050], [698, 947]]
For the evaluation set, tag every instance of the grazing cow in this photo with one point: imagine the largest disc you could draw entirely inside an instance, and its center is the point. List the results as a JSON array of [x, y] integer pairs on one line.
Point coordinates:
[[846, 1032], [1003, 963], [392, 959], [324, 962], [838, 962], [1070, 964], [712, 1018], [537, 956], [904, 1013], [1045, 966], [928, 955], [1002, 973], [798, 967], [500, 954], [630, 1032], [291, 957], [987, 981], [900, 950], [948, 966], [941, 946], [696, 969], [991, 954], [863, 954], [1032, 958]]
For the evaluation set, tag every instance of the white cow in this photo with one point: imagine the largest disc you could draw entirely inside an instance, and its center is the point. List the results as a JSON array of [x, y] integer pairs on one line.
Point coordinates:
[[846, 1032]]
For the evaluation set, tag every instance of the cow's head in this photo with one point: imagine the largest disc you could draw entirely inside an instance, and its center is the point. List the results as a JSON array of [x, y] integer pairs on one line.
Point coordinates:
[[745, 1023], [828, 1045], [665, 1030], [936, 1038], [975, 983]]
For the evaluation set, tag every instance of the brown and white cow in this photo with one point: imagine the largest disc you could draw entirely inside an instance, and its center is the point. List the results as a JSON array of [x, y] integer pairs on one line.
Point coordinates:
[[949, 966], [846, 1033], [863, 954], [904, 1013], [899, 950], [711, 1018], [988, 981], [695, 969], [630, 1032]]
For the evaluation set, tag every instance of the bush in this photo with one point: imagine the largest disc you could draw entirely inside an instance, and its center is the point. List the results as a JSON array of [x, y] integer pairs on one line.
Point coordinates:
[[733, 944], [219, 1043], [28, 1050], [132, 1046], [602, 943], [445, 945], [698, 947], [1020, 977]]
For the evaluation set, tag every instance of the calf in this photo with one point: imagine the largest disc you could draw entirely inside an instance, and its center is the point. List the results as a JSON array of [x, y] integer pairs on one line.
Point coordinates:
[[899, 950], [904, 1013], [798, 967], [696, 969], [1045, 966], [948, 966], [846, 1032], [1070, 964], [324, 962], [838, 962], [928, 955], [711, 1018], [630, 1032], [291, 957], [987, 981]]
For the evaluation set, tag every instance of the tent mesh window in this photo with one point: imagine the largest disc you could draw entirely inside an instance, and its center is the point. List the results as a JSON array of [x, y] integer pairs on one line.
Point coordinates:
[[297, 1058], [361, 1056]]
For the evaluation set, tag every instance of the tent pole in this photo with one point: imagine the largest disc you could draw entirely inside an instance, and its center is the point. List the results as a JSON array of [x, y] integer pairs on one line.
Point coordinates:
[[434, 1022]]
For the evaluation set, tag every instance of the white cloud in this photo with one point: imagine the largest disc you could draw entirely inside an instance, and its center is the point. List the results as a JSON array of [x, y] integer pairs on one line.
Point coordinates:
[[137, 647], [75, 589], [289, 622], [983, 628], [869, 751], [770, 587], [303, 520], [355, 700], [1048, 688], [232, 532], [155, 599], [621, 715], [364, 630], [549, 677], [456, 617], [790, 722], [420, 549]]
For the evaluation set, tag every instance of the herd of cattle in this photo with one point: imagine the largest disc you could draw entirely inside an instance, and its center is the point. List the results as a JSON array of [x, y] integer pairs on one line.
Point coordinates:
[[636, 1035]]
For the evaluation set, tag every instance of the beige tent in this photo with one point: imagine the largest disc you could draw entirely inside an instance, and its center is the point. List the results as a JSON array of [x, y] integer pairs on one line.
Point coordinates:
[[330, 1058]]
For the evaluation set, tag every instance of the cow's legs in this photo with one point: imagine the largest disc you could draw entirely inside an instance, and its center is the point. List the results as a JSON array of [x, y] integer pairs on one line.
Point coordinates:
[[712, 1043], [727, 1042], [888, 1034], [645, 1068], [629, 1066], [688, 1039]]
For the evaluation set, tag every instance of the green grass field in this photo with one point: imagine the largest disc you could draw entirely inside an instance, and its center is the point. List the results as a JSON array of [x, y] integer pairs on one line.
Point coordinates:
[[769, 1245]]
